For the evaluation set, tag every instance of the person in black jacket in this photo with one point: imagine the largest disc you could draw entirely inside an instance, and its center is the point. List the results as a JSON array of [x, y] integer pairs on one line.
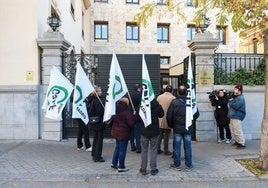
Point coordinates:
[[221, 115], [176, 118], [149, 135], [96, 109]]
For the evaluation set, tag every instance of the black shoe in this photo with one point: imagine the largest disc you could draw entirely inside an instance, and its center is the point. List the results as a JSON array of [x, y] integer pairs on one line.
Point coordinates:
[[101, 160], [154, 172], [235, 144], [159, 151], [143, 171], [133, 149], [168, 153], [123, 169], [138, 151], [114, 166], [240, 146]]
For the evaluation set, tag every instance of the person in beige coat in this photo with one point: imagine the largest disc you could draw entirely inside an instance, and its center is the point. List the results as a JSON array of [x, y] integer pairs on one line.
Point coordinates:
[[165, 100]]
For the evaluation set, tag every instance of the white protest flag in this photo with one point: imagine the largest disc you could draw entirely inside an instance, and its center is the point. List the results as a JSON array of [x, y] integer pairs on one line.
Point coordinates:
[[117, 89], [83, 88], [58, 93], [147, 95], [191, 107]]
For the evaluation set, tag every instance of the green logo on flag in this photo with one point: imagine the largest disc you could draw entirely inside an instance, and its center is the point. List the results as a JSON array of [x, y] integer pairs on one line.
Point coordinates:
[[55, 91], [80, 94], [120, 90]]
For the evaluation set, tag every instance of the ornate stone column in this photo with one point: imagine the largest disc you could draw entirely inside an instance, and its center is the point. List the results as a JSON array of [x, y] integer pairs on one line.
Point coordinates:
[[53, 44], [203, 46]]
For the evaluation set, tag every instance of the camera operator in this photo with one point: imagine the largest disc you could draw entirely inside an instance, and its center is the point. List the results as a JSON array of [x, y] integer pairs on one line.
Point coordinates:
[[220, 101], [237, 112]]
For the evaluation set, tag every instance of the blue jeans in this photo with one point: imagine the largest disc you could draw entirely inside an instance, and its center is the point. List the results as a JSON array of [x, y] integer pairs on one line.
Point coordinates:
[[187, 149], [119, 155], [136, 135]]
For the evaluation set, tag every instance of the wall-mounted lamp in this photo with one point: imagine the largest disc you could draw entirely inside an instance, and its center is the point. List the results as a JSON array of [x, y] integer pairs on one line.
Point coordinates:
[[54, 21]]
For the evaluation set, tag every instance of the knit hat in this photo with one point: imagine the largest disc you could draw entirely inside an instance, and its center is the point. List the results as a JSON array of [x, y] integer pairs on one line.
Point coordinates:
[[239, 87]]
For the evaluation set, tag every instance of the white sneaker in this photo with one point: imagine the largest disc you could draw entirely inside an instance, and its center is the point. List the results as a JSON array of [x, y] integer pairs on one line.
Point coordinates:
[[89, 149], [228, 141], [221, 140], [78, 149]]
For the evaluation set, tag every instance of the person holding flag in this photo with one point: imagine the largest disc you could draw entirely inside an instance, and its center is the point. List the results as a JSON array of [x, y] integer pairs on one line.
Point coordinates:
[[116, 90], [150, 111], [83, 88], [96, 109]]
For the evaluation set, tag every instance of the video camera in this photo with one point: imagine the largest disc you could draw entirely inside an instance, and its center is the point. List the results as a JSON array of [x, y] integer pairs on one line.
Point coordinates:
[[214, 93]]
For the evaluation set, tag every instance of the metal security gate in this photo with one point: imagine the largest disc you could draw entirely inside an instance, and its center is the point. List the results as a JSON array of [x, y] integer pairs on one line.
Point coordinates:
[[90, 64]]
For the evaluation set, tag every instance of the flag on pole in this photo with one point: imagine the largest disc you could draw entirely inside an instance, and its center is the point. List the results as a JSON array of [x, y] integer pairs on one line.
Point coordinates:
[[83, 88], [116, 90], [147, 95], [191, 107], [58, 93]]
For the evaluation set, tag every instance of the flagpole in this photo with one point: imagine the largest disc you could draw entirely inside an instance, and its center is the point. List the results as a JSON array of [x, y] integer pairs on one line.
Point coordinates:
[[98, 98], [131, 102]]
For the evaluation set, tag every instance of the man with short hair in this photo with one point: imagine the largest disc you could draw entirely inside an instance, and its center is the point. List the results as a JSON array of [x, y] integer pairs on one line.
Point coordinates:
[[237, 113], [165, 100], [176, 118]]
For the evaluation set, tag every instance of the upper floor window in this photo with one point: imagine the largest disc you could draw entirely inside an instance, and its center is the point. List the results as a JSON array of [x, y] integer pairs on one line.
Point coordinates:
[[101, 31], [132, 33], [162, 2], [83, 23], [132, 1], [162, 33], [102, 1], [164, 60], [191, 31], [221, 31], [189, 3]]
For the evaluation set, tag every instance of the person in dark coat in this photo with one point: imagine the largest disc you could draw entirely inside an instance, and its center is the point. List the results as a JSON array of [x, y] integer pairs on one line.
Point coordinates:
[[123, 121], [149, 135], [176, 118], [135, 131], [96, 109], [221, 115]]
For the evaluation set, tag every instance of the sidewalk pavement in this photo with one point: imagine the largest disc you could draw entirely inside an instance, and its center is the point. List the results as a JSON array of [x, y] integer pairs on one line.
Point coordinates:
[[40, 160]]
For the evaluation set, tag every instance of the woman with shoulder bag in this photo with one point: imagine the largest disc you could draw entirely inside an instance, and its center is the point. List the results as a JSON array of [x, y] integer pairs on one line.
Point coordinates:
[[95, 112]]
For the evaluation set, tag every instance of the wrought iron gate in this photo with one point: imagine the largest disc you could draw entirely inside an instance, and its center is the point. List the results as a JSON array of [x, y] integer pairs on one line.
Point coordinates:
[[89, 63]]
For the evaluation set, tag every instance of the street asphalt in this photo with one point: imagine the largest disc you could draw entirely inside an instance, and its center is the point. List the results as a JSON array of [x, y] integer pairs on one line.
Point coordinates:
[[41, 163]]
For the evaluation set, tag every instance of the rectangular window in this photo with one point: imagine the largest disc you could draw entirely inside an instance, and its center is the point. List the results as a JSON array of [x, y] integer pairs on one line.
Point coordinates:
[[221, 31], [191, 31], [164, 60], [72, 9], [101, 31], [189, 3], [132, 33], [162, 2], [101, 1], [132, 1], [162, 33]]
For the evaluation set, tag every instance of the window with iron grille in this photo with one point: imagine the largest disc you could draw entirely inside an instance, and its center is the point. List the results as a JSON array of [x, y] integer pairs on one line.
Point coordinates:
[[101, 31], [163, 33], [132, 33]]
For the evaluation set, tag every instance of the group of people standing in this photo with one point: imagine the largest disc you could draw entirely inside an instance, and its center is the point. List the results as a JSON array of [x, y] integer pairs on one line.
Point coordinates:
[[229, 114], [168, 114]]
